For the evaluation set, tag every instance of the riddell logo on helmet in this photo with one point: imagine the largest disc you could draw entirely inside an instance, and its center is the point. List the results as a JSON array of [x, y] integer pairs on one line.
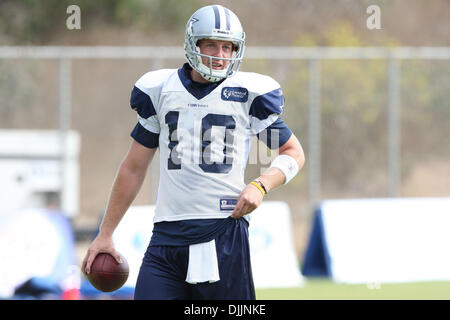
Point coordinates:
[[237, 94], [221, 31]]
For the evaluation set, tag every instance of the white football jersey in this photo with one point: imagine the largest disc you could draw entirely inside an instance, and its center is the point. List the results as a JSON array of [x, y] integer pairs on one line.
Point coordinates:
[[204, 137]]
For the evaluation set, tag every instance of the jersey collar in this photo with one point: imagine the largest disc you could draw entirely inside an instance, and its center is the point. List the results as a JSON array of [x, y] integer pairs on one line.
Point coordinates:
[[197, 89]]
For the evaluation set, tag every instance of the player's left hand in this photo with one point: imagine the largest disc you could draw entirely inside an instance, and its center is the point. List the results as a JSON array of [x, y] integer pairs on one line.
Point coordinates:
[[249, 199]]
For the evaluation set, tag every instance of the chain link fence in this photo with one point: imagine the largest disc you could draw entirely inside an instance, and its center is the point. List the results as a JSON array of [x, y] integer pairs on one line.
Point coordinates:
[[373, 121]]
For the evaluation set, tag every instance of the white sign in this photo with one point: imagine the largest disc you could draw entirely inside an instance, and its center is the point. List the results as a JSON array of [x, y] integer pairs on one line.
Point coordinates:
[[388, 240], [35, 164], [274, 262], [132, 236]]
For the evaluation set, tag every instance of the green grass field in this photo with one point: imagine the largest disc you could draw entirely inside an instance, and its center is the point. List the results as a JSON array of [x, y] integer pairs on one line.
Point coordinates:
[[328, 290]]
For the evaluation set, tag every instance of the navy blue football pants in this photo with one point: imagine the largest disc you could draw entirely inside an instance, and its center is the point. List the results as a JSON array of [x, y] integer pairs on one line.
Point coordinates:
[[162, 275]]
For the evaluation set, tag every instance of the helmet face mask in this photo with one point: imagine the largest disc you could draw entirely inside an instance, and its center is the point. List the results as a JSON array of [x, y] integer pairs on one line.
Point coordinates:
[[217, 23]]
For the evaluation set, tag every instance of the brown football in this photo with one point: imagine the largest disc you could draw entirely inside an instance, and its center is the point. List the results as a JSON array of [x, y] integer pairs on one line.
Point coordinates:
[[106, 274]]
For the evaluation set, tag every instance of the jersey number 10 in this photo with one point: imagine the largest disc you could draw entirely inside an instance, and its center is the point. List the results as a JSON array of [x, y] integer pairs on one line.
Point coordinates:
[[205, 162]]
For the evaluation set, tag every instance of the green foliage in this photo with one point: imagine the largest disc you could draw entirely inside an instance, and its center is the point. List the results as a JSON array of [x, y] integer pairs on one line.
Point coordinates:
[[341, 33], [16, 89], [35, 22], [425, 107], [354, 113], [159, 14], [353, 100]]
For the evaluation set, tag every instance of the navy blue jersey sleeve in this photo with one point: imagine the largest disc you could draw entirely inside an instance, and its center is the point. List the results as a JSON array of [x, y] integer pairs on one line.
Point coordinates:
[[265, 109], [142, 103], [267, 104], [145, 137], [146, 131], [275, 135]]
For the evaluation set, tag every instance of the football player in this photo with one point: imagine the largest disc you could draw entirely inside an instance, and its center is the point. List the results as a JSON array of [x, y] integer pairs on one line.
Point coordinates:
[[202, 117]]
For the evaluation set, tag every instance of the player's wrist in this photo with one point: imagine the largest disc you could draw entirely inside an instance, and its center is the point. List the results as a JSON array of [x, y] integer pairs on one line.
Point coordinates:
[[105, 233], [287, 165], [260, 186]]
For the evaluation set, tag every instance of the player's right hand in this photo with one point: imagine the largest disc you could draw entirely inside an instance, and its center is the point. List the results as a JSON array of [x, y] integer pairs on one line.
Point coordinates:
[[100, 244]]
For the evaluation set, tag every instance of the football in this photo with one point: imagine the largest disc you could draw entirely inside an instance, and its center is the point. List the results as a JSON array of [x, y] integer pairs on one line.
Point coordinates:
[[106, 274]]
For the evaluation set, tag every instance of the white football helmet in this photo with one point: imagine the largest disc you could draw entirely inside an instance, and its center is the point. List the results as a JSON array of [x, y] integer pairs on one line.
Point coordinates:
[[218, 23]]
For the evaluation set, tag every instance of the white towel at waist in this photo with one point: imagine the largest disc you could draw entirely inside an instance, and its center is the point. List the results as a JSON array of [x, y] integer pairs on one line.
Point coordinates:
[[203, 265]]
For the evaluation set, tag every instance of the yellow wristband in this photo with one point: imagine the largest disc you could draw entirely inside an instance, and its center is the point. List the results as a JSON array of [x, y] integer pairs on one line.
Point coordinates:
[[259, 187]]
